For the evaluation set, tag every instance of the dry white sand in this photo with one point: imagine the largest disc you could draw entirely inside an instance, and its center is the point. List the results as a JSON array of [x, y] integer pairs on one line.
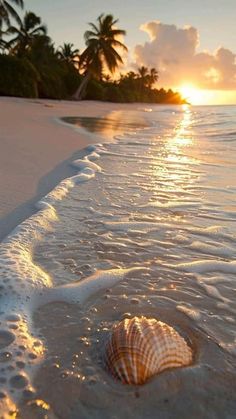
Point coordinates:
[[35, 150]]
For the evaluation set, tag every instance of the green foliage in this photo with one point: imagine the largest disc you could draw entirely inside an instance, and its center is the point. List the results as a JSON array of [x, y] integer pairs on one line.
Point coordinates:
[[58, 82], [130, 88], [18, 77], [51, 85], [95, 91], [113, 93], [101, 42], [31, 67], [71, 79], [68, 53], [25, 32], [58, 79], [129, 95], [53, 78], [7, 11]]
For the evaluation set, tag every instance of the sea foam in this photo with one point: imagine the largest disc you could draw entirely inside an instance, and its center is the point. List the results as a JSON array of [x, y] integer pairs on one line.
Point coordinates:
[[25, 286]]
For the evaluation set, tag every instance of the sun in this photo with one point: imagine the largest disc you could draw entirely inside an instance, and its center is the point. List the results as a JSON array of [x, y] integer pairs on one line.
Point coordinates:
[[197, 96], [192, 94]]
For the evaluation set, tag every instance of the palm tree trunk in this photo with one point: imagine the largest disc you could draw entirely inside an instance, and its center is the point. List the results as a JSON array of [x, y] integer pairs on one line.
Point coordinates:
[[80, 92]]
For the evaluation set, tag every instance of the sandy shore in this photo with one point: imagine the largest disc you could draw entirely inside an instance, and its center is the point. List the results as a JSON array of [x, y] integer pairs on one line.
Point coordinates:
[[36, 150]]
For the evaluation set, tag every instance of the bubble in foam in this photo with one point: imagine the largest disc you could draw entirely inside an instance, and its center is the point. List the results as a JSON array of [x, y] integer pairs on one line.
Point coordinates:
[[32, 355], [13, 318], [28, 393], [2, 395], [19, 381], [5, 356], [20, 364], [6, 338], [13, 326]]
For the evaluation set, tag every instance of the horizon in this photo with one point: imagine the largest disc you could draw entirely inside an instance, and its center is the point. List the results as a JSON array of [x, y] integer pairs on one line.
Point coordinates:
[[182, 41]]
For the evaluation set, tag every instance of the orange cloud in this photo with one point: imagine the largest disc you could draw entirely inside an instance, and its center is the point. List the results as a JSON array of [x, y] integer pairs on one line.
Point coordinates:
[[173, 51]]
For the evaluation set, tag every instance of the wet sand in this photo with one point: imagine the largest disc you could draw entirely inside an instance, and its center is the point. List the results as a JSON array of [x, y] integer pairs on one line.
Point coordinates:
[[82, 388]]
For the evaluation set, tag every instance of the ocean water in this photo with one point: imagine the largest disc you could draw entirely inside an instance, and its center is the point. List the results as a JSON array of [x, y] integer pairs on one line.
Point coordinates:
[[147, 226]]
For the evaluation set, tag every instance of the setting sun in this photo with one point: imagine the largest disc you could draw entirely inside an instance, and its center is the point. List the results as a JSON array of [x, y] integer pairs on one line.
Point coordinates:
[[197, 96], [192, 94]]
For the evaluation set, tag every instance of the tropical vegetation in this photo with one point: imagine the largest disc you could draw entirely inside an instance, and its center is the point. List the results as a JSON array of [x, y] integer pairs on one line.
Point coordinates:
[[24, 34], [31, 65], [7, 11], [101, 42]]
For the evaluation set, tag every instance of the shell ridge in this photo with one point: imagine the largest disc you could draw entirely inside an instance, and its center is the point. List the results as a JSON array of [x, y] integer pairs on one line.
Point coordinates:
[[140, 347]]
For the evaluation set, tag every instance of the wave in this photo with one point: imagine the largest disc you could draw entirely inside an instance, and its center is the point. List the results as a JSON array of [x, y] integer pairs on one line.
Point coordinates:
[[26, 286]]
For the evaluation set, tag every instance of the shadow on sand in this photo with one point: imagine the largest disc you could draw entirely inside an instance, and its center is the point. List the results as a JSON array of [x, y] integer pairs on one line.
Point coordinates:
[[48, 182]]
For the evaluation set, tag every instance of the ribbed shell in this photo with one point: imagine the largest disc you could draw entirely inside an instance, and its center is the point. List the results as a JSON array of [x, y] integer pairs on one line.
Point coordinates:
[[139, 348]]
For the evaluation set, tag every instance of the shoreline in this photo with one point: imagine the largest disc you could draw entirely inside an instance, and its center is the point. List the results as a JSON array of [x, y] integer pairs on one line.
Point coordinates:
[[37, 149]]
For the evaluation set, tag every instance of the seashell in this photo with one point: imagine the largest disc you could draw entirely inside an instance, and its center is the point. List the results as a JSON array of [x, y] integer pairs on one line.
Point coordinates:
[[139, 348]]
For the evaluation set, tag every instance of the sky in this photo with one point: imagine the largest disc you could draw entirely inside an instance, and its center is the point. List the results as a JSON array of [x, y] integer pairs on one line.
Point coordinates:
[[191, 43]]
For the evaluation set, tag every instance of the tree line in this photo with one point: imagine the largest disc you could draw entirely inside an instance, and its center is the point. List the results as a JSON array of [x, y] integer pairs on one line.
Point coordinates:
[[31, 65]]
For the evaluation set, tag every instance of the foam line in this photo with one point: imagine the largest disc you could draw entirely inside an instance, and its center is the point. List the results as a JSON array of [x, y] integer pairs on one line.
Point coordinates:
[[81, 291], [85, 163], [204, 266], [223, 251], [23, 282]]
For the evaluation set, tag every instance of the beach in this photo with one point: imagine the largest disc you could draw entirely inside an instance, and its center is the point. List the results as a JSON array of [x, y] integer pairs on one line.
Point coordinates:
[[117, 210], [126, 211], [36, 151]]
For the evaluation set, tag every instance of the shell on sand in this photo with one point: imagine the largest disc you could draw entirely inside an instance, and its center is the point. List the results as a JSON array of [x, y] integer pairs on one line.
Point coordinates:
[[139, 348]]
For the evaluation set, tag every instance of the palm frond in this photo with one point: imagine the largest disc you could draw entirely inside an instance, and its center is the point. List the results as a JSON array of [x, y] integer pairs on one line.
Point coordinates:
[[117, 32], [89, 34], [101, 44], [118, 44], [40, 30], [94, 27], [10, 11], [19, 3]]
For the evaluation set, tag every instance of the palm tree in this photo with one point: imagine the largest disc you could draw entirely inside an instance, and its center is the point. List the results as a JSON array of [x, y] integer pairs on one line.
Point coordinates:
[[101, 42], [143, 73], [7, 11], [143, 80], [27, 31], [68, 54], [152, 77], [129, 80]]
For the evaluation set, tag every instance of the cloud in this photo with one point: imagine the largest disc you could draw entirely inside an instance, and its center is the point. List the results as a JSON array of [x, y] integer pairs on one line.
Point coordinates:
[[173, 51]]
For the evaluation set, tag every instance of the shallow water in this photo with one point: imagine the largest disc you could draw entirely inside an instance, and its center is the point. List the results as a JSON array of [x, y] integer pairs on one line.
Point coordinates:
[[161, 198], [116, 123]]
